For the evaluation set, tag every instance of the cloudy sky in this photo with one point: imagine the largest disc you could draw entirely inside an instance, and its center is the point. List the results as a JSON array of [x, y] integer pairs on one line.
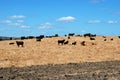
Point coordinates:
[[36, 17]]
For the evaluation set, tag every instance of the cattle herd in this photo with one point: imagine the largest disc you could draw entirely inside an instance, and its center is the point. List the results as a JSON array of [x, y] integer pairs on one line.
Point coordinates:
[[91, 37]]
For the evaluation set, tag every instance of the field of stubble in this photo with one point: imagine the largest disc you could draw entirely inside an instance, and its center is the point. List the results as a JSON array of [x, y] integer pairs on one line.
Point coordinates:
[[46, 60]]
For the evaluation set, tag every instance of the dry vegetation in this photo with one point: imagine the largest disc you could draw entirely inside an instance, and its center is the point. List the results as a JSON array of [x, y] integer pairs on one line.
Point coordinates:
[[49, 52]]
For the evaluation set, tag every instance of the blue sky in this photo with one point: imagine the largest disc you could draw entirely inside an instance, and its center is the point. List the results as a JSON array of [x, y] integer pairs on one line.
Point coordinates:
[[36, 17]]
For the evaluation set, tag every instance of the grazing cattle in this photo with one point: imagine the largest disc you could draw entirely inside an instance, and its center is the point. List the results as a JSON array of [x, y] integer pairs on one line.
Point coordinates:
[[87, 34], [118, 36], [93, 43], [111, 39], [61, 41], [68, 37], [83, 43], [20, 43], [92, 38], [38, 39], [104, 36], [74, 43], [66, 42], [105, 39], [11, 43]]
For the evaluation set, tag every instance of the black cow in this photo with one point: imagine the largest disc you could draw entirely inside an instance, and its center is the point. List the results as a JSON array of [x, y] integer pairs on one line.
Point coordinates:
[[105, 39], [91, 38], [74, 43], [93, 43], [87, 34], [20, 43], [61, 41], [66, 42], [68, 37], [38, 39], [111, 39], [11, 43], [118, 36], [104, 36]]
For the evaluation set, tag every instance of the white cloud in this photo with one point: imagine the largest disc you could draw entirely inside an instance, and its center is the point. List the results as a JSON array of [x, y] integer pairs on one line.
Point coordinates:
[[104, 8], [14, 24], [83, 31], [24, 26], [6, 21], [17, 16], [45, 26], [20, 21], [67, 19], [10, 23], [19, 25], [94, 22], [97, 1], [113, 22], [117, 12], [15, 20]]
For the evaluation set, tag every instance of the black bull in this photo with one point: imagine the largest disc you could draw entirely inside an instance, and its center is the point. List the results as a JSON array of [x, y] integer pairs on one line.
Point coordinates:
[[20, 43], [61, 42]]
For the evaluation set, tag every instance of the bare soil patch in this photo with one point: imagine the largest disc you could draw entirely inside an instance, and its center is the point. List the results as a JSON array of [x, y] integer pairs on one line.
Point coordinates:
[[108, 70]]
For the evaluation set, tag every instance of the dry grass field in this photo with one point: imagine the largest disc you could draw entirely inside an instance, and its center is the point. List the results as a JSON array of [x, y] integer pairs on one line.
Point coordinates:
[[49, 52]]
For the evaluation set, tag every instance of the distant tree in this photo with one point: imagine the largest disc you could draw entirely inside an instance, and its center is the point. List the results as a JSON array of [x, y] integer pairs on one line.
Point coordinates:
[[118, 36], [56, 35], [40, 37], [1, 39], [23, 37], [89, 35], [79, 35], [65, 35], [71, 34], [31, 37], [11, 38]]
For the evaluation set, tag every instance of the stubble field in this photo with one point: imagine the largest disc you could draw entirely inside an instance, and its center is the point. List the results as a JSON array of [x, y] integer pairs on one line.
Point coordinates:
[[49, 52]]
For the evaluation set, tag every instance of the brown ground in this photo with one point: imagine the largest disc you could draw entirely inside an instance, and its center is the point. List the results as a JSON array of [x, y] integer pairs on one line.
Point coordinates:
[[49, 52], [108, 70]]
